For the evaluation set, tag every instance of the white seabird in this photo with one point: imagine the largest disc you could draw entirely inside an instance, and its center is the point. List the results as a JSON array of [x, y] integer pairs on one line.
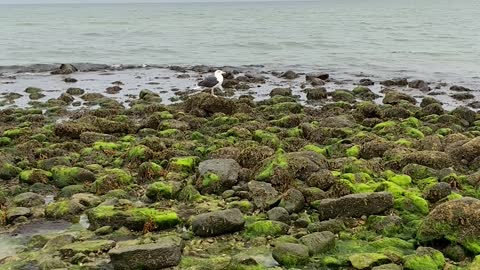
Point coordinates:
[[213, 81]]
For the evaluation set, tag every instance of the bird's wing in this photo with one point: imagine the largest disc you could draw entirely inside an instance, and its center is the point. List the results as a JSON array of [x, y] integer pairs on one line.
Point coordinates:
[[209, 81]]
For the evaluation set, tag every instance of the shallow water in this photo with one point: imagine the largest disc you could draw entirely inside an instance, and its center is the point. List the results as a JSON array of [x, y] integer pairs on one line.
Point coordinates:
[[428, 39]]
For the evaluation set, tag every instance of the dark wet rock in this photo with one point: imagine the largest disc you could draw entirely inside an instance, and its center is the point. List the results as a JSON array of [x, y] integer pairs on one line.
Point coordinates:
[[395, 97], [290, 254], [28, 199], [218, 223], [75, 91], [281, 92], [419, 84], [316, 93], [92, 137], [65, 69], [217, 175], [355, 205], [364, 93], [432, 159], [74, 129], [366, 82], [331, 225], [205, 105], [465, 113], [455, 220], [66, 98], [317, 82], [323, 179], [455, 253], [434, 108], [375, 148], [263, 194], [431, 143], [462, 96], [70, 80], [459, 88], [369, 110], [290, 75], [93, 97], [316, 75], [385, 225], [437, 192], [49, 163], [113, 89], [342, 95], [474, 104], [429, 100], [16, 212], [292, 200], [279, 214], [395, 82], [318, 242], [396, 113], [166, 252]]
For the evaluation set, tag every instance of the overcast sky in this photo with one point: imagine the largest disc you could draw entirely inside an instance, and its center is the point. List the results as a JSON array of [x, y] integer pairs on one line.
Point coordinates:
[[111, 1]]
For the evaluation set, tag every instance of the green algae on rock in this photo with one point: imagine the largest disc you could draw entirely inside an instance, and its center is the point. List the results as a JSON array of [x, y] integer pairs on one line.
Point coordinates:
[[111, 179]]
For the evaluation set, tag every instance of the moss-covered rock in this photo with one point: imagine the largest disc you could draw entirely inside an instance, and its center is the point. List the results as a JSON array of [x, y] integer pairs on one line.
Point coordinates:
[[8, 171], [87, 247], [35, 176], [63, 176], [163, 190], [290, 254], [111, 179], [367, 260], [425, 259], [183, 164], [65, 209], [136, 219], [266, 228]]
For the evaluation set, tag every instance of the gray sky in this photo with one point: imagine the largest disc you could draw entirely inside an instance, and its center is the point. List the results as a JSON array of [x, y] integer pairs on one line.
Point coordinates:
[[112, 1]]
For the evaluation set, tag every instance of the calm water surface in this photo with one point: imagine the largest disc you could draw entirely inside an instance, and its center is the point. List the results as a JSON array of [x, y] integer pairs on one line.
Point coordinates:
[[429, 39]]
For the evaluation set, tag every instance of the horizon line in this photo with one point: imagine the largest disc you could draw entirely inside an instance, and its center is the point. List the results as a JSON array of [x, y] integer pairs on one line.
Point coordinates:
[[150, 2]]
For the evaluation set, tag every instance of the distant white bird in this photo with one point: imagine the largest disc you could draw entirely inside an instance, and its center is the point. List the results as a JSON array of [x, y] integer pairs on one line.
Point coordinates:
[[213, 81]]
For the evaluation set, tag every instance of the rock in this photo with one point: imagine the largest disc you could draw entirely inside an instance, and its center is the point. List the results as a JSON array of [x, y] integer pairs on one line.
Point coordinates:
[[66, 98], [343, 95], [113, 89], [204, 104], [287, 92], [465, 113], [86, 199], [429, 100], [365, 82], [389, 266], [318, 242], [279, 214], [293, 201], [332, 225], [316, 93], [454, 252], [70, 80], [86, 247], [28, 199], [316, 75], [385, 225], [367, 260], [8, 171], [217, 175], [58, 241], [218, 223], [462, 96], [456, 221], [263, 194], [317, 82], [290, 254], [460, 88], [75, 91], [418, 84], [92, 137], [16, 212], [364, 93], [63, 209], [425, 258], [434, 108], [290, 75], [437, 192], [260, 256], [394, 97], [375, 148], [323, 179], [355, 205], [63, 176], [395, 82], [65, 69], [73, 129], [166, 252]]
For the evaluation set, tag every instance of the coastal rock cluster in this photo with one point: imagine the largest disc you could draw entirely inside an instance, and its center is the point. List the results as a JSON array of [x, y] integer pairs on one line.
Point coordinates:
[[231, 183]]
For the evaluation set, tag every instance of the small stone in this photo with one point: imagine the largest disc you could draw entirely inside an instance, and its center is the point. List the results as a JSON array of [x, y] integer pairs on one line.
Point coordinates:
[[319, 242], [332, 225], [281, 92], [293, 201], [70, 80], [279, 214], [104, 230]]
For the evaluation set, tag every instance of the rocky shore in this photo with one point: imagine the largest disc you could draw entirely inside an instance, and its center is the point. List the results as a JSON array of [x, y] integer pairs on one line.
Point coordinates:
[[284, 170]]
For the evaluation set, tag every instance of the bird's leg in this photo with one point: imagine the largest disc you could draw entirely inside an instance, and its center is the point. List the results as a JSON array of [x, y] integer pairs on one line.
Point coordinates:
[[213, 91]]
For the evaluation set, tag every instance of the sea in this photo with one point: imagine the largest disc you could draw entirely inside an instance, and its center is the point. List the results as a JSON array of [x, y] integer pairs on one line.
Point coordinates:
[[427, 39]]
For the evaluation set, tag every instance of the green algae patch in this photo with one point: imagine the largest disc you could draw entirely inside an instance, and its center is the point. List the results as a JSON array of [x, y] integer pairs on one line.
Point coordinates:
[[414, 133], [169, 133], [63, 209], [189, 194], [183, 164], [316, 149], [35, 176], [135, 219], [9, 171], [266, 138], [353, 151], [402, 180], [14, 133], [266, 228], [4, 141], [210, 179], [385, 127], [111, 179], [367, 260], [106, 146], [162, 190], [279, 161], [87, 247], [425, 259], [149, 171], [138, 153]]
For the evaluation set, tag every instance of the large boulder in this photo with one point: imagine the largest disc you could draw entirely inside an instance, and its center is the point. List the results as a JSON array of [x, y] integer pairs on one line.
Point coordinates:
[[217, 175], [218, 223], [205, 104], [166, 252], [354, 205], [457, 221]]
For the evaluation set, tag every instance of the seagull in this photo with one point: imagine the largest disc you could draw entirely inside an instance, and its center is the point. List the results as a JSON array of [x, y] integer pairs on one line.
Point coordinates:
[[213, 81]]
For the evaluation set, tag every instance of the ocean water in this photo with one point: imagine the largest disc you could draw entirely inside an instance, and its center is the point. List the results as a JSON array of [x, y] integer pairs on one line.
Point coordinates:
[[428, 39]]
